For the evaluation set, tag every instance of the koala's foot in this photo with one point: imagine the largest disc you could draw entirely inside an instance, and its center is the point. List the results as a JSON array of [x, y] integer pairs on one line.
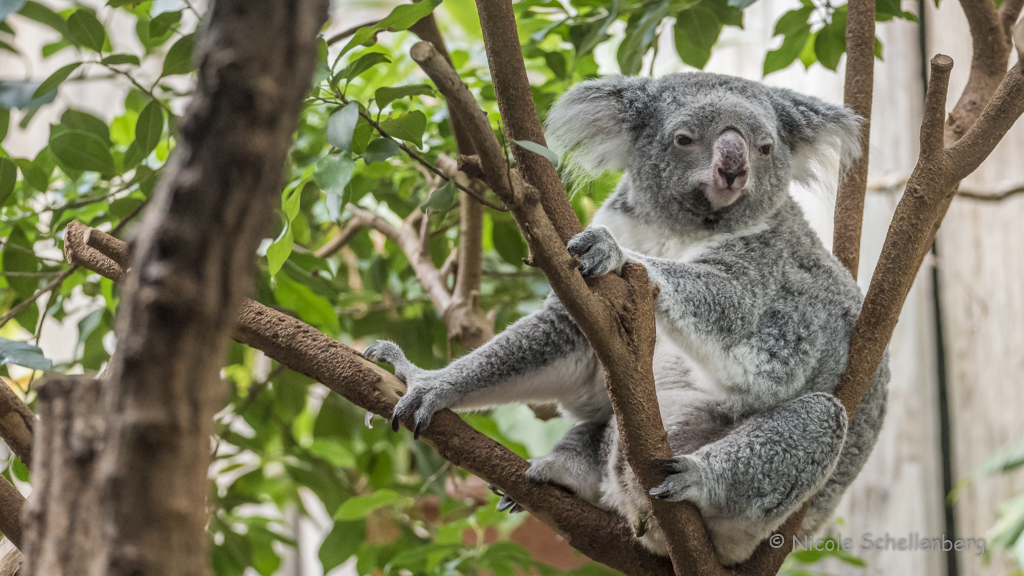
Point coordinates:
[[425, 396], [567, 471], [505, 503], [685, 482], [598, 252]]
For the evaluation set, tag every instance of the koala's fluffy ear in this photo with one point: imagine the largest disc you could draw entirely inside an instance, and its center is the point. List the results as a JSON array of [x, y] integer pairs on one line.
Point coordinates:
[[820, 135], [591, 123]]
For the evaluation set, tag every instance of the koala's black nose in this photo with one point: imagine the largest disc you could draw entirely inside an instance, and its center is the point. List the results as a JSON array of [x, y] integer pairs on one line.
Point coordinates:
[[731, 177]]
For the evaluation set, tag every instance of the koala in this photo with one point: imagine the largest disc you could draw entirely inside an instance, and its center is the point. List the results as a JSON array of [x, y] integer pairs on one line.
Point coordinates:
[[754, 315]]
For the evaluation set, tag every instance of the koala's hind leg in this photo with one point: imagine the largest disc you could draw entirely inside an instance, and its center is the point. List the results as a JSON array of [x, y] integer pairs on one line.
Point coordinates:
[[750, 480], [577, 462]]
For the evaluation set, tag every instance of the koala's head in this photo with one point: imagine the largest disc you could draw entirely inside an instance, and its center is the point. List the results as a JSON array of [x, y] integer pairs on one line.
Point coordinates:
[[702, 150]]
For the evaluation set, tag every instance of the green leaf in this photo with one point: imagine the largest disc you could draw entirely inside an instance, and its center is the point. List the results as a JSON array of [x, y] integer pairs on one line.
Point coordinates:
[[508, 241], [8, 7], [115, 59], [341, 125], [179, 57], [379, 150], [538, 149], [443, 198], [362, 506], [793, 21], [388, 94], [5, 121], [641, 33], [23, 354], [362, 64], [790, 50], [8, 176], [149, 127], [308, 306], [43, 15], [830, 43], [336, 454], [55, 79], [408, 127], [741, 4], [77, 120], [696, 31], [401, 18], [82, 151], [280, 249], [343, 541], [164, 23], [85, 30], [23, 260], [333, 173]]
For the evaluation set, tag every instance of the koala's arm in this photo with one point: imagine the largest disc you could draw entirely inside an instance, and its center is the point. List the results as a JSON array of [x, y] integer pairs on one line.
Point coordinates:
[[541, 358], [764, 468]]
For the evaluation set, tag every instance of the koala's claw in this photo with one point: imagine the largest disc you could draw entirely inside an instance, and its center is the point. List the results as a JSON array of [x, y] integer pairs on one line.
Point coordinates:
[[422, 400], [389, 352], [597, 251], [684, 483], [505, 503]]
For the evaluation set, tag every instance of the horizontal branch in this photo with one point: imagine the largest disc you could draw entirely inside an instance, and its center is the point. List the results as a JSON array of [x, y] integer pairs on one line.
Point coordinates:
[[601, 535]]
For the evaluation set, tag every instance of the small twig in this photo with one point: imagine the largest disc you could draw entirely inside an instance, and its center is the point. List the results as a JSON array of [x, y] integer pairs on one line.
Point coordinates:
[[415, 156], [349, 32]]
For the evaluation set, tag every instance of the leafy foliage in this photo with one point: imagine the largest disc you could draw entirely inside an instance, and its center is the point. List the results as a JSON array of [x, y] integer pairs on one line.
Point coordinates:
[[283, 443]]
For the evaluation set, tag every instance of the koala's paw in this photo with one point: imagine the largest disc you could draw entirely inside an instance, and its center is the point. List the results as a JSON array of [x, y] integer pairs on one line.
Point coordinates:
[[685, 482], [598, 252], [549, 470], [505, 503], [425, 395]]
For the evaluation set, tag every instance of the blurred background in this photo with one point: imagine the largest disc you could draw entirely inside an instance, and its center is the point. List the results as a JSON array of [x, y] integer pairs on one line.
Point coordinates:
[[302, 485]]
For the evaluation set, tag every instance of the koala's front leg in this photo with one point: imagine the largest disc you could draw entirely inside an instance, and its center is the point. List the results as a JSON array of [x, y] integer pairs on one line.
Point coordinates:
[[764, 468], [541, 358]]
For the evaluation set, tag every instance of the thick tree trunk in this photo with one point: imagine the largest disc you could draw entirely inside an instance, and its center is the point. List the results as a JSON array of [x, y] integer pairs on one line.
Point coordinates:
[[193, 263], [60, 525]]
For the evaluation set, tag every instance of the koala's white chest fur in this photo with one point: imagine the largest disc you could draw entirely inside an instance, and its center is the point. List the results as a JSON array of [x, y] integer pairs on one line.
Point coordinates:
[[718, 374]]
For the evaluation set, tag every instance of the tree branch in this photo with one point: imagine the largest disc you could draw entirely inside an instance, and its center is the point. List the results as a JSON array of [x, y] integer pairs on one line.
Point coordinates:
[[515, 100], [601, 535], [11, 505], [342, 238], [16, 424], [617, 318], [408, 239], [466, 322], [860, 74]]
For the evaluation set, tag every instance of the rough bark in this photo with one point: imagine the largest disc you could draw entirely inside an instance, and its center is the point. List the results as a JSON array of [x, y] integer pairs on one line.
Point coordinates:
[[16, 424], [515, 100], [61, 529], [11, 505], [860, 75], [192, 264], [601, 535]]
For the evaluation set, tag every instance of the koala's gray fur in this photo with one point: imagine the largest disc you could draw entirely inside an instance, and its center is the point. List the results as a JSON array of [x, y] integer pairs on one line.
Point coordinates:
[[753, 318]]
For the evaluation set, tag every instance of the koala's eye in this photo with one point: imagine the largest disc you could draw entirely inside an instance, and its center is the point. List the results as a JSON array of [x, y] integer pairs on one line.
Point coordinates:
[[683, 140], [765, 149]]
